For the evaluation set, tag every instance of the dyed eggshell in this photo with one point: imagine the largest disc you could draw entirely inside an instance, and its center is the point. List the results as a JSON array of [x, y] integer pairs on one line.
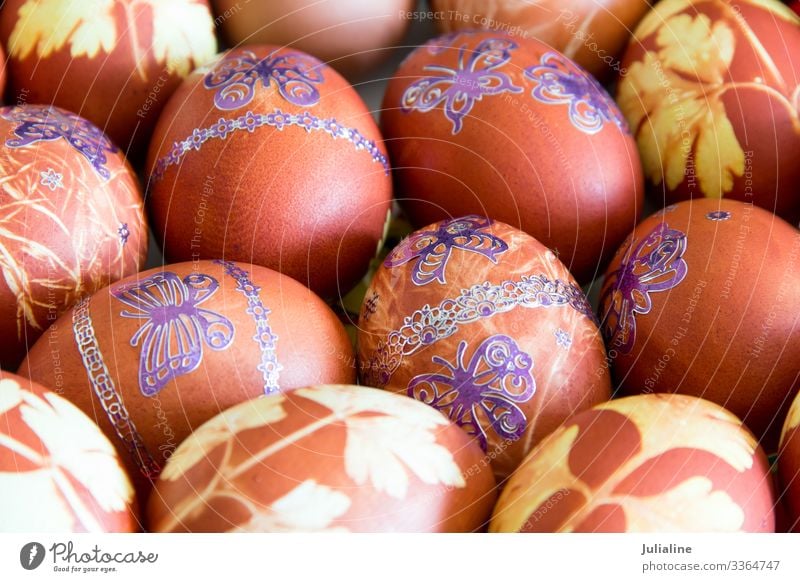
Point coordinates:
[[2, 73], [712, 87], [71, 220], [796, 7], [789, 465], [268, 156], [704, 299], [325, 458], [648, 464], [59, 472], [114, 62], [482, 322], [593, 33], [349, 35], [500, 126], [156, 355]]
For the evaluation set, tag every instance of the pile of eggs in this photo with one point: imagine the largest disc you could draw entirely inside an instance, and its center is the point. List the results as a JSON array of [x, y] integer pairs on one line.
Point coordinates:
[[551, 283]]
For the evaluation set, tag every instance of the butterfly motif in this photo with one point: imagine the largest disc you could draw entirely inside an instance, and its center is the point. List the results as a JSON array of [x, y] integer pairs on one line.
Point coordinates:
[[458, 89], [484, 393], [235, 78], [558, 81], [656, 264], [175, 327], [431, 248]]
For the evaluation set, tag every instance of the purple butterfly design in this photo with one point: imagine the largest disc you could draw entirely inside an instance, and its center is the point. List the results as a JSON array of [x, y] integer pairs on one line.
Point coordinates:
[[458, 89], [175, 328], [484, 393], [431, 248], [235, 78], [656, 264]]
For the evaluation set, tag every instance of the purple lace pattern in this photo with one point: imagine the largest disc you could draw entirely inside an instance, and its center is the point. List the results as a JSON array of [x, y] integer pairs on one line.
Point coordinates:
[[279, 120]]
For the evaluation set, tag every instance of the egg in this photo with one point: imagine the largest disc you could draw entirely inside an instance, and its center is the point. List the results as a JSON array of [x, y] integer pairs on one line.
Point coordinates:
[[506, 127], [59, 473], [704, 299], [796, 6], [789, 465], [71, 220], [349, 35], [711, 87], [155, 355], [650, 463], [325, 458], [269, 156], [2, 73], [593, 33], [483, 323], [115, 62]]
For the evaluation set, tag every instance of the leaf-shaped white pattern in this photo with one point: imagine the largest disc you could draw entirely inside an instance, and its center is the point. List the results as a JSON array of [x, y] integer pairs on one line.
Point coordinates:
[[183, 35], [222, 428], [10, 395], [36, 505], [309, 507], [76, 445]]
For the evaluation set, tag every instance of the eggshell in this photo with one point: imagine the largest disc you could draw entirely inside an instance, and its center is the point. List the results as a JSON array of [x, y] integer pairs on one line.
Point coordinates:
[[652, 463], [71, 220], [485, 324], [593, 33], [789, 465], [350, 35], [156, 355], [268, 156], [58, 472], [2, 73], [500, 126], [712, 87], [796, 7], [325, 458], [704, 299], [115, 62]]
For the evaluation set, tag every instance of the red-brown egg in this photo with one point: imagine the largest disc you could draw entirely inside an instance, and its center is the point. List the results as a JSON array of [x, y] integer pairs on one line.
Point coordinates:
[[704, 299], [71, 220], [593, 33], [59, 472], [2, 73], [789, 465], [712, 94], [349, 35], [796, 6], [269, 156], [115, 62], [156, 355], [482, 322], [650, 463], [325, 458], [506, 127]]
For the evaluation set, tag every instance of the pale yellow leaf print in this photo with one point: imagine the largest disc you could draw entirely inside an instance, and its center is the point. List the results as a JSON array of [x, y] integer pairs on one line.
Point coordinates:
[[183, 35], [792, 419], [222, 428], [77, 446], [691, 506], [10, 395], [45, 26], [694, 47], [777, 8], [720, 159], [309, 507], [36, 504], [658, 16]]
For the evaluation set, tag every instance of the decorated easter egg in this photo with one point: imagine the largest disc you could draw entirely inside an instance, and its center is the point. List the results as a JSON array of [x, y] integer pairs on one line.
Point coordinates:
[[789, 464], [704, 299], [650, 463], [593, 33], [156, 355], [58, 472], [71, 220], [269, 156], [325, 458], [506, 127], [711, 87], [114, 62], [349, 35], [485, 324]]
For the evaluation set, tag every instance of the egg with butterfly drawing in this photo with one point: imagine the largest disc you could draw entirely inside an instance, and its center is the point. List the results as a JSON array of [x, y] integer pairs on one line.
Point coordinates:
[[485, 324], [704, 299], [154, 356], [269, 156], [71, 220]]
